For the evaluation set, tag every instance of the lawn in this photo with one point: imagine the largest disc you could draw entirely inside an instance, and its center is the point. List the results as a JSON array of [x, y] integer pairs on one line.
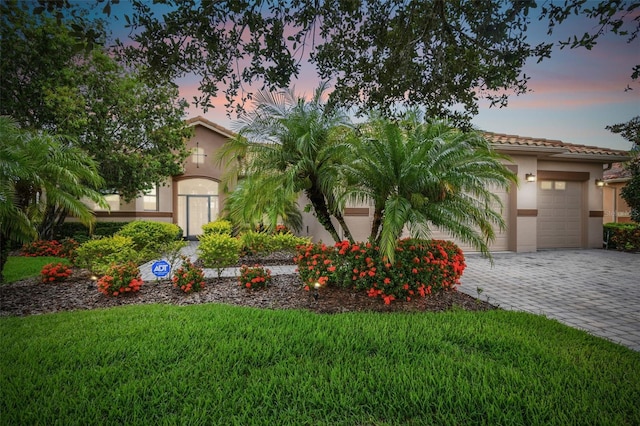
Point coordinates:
[[21, 267], [217, 364]]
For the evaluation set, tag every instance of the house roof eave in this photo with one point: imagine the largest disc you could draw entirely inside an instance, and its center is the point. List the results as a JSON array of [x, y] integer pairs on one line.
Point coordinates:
[[199, 120]]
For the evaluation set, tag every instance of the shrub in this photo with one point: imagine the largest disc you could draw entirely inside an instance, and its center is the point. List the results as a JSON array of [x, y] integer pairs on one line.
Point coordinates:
[[148, 237], [254, 277], [218, 251], [120, 279], [55, 272], [256, 242], [622, 236], [421, 266], [42, 248], [286, 241], [97, 255], [316, 264], [218, 226], [68, 247], [188, 277], [64, 248], [80, 232]]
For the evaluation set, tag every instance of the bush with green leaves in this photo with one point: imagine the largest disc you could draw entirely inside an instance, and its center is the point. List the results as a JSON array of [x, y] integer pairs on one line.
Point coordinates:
[[286, 241], [622, 236], [256, 243], [99, 254], [218, 251], [218, 226], [149, 237], [80, 232]]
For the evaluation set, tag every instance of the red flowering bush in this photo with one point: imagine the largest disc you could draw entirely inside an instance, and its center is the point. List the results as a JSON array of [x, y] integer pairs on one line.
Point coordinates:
[[188, 277], [421, 266], [316, 265], [55, 272], [281, 229], [254, 277], [120, 279], [64, 248]]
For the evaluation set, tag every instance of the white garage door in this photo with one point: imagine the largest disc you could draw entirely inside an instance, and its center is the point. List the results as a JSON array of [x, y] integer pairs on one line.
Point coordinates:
[[559, 214], [501, 242]]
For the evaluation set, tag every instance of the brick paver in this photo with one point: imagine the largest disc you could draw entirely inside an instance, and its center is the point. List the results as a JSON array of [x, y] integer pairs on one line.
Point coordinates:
[[594, 290]]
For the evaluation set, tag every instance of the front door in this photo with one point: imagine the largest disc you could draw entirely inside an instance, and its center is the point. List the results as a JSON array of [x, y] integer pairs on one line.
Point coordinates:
[[197, 205]]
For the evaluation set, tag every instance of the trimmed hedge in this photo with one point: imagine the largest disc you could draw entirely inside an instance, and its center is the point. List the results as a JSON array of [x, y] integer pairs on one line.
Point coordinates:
[[99, 254], [622, 236], [80, 233], [150, 237], [218, 226]]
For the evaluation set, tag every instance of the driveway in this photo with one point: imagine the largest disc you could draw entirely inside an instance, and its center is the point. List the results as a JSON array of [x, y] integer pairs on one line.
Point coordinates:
[[594, 290]]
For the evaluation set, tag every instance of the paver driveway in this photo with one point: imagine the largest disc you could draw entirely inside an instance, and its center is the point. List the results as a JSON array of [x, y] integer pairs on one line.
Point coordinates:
[[594, 290]]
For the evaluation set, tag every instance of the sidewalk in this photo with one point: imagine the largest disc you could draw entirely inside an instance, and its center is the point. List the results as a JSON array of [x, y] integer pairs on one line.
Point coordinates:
[[190, 252]]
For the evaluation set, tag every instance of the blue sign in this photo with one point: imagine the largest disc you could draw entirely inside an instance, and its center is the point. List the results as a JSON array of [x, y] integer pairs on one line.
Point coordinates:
[[161, 268]]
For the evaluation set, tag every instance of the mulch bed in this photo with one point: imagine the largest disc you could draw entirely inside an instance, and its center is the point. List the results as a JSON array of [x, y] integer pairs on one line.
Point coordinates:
[[31, 297]]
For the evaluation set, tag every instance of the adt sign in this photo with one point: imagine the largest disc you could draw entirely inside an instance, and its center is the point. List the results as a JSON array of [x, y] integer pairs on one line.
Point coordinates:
[[161, 268]]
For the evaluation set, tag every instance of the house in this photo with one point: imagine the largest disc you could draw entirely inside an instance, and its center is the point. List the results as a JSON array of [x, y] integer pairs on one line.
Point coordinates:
[[615, 208], [189, 200], [558, 203]]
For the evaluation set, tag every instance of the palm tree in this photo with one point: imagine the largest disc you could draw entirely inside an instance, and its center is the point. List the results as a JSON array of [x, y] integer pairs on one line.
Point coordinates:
[[40, 175], [421, 174], [290, 145], [270, 205]]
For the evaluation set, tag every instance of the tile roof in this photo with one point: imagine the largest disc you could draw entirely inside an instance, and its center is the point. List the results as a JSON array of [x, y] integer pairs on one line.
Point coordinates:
[[617, 171], [566, 150]]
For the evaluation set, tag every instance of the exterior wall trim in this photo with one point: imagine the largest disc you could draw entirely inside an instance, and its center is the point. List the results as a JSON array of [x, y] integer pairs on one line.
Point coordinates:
[[569, 176], [356, 211], [527, 212], [103, 214]]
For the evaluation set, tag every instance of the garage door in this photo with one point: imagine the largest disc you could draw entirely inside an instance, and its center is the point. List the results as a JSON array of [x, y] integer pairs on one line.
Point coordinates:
[[559, 214], [501, 242]]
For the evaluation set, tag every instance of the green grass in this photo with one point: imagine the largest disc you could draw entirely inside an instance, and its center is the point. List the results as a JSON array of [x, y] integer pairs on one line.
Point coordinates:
[[21, 267], [217, 364]]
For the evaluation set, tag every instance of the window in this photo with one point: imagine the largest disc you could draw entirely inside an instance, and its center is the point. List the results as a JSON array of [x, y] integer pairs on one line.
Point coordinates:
[[151, 199], [550, 184], [198, 155], [113, 200]]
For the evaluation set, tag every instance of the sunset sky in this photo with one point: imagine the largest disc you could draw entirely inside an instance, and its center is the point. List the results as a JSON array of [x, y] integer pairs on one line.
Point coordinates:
[[574, 95]]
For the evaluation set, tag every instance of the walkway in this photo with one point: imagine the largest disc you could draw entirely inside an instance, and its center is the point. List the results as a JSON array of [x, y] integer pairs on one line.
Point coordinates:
[[593, 290], [190, 251]]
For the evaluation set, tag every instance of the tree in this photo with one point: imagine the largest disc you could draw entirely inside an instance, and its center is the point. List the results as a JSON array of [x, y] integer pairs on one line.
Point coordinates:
[[382, 54], [289, 146], [49, 80], [252, 205], [631, 191], [40, 174], [421, 174]]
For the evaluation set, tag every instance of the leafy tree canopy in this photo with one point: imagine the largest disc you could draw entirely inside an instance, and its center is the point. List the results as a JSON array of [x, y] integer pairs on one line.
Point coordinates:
[[53, 79], [380, 54]]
